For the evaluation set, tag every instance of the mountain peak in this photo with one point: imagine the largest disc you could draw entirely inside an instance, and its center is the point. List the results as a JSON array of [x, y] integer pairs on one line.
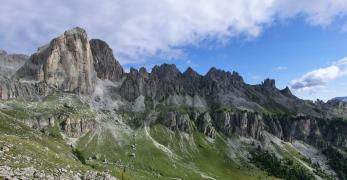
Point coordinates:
[[214, 72], [106, 65], [166, 71], [344, 99], [286, 91], [65, 64], [191, 72], [75, 30], [269, 83]]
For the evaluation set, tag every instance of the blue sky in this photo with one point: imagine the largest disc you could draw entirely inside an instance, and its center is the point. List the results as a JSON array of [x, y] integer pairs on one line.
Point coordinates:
[[283, 52], [300, 43]]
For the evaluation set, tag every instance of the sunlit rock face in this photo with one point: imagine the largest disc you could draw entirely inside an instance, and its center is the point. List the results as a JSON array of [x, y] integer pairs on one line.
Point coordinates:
[[65, 64]]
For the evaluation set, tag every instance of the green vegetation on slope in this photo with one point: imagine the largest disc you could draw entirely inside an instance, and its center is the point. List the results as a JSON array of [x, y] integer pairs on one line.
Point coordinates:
[[54, 105], [337, 161], [281, 168], [149, 152], [29, 148], [160, 153], [43, 147]]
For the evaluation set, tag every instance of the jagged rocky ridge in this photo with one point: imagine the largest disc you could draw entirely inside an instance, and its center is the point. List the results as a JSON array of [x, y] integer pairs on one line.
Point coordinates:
[[219, 101], [71, 63]]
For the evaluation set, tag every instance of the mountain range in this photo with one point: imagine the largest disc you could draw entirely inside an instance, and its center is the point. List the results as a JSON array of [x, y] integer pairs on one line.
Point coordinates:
[[340, 98], [75, 112]]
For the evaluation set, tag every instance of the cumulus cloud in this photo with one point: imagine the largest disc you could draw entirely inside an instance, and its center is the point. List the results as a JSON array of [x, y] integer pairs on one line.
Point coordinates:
[[317, 78], [137, 29]]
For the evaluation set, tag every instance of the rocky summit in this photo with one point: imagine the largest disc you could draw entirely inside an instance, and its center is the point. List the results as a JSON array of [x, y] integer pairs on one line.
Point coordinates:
[[70, 111], [65, 64]]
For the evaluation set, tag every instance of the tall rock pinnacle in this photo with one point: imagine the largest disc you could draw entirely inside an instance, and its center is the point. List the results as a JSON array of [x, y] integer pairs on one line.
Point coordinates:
[[66, 63], [106, 66]]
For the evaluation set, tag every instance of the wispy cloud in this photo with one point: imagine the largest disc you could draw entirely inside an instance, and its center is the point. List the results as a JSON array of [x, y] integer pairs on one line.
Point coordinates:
[[317, 78], [280, 68], [137, 29], [256, 77]]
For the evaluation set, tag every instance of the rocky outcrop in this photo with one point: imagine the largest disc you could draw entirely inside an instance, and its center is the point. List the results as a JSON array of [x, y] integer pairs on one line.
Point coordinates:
[[316, 131], [12, 88], [164, 81], [269, 84], [40, 122], [75, 127], [106, 66], [177, 121], [72, 127], [65, 64], [286, 91], [205, 125], [218, 82], [135, 84], [241, 123], [10, 63]]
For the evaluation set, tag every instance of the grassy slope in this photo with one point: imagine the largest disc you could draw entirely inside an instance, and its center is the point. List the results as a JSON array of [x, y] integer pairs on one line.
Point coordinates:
[[162, 154], [52, 105], [34, 149], [43, 151], [287, 151]]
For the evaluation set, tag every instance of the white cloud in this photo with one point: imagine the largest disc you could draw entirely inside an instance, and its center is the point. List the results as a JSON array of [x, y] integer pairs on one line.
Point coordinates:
[[317, 78], [137, 29]]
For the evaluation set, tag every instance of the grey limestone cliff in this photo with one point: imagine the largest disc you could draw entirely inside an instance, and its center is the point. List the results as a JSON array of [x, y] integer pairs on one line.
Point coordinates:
[[65, 64]]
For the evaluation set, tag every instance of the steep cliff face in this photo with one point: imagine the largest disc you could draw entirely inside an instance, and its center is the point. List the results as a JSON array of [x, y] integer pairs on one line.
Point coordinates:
[[177, 121], [65, 64], [10, 63], [333, 108], [70, 126], [315, 131], [75, 127], [135, 84], [106, 66], [241, 123], [12, 88], [205, 125]]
